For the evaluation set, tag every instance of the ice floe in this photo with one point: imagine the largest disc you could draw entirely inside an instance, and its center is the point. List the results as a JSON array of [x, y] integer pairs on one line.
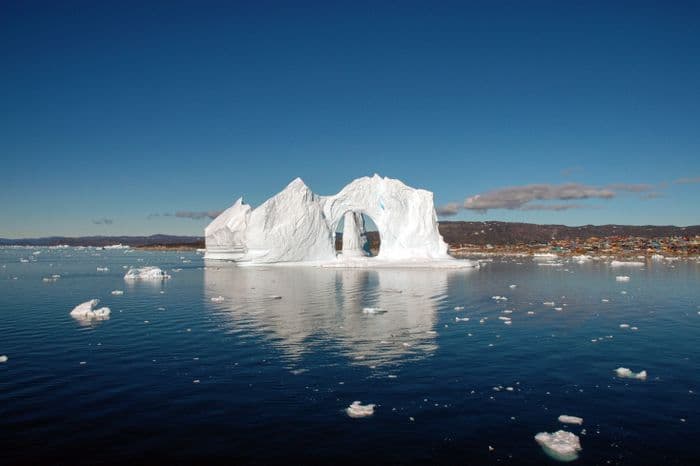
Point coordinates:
[[146, 273], [625, 373], [218, 299], [357, 409], [117, 292], [373, 310], [626, 264], [3, 358], [566, 419], [88, 311], [622, 278], [561, 445], [103, 269]]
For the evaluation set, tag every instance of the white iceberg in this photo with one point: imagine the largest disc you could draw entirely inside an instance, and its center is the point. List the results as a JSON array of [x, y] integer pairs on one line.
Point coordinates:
[[622, 278], [357, 409], [373, 310], [626, 264], [88, 311], [146, 273], [625, 373], [566, 419], [561, 445], [297, 225], [3, 358], [117, 292]]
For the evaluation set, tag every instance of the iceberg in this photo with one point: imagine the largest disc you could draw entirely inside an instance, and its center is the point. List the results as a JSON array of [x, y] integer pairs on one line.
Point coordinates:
[[146, 273], [625, 373], [356, 409], [561, 445], [299, 226], [87, 311], [566, 419], [626, 264], [3, 358]]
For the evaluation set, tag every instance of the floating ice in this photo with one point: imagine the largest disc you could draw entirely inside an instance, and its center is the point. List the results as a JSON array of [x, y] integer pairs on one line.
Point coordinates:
[[548, 303], [373, 310], [103, 269], [459, 308], [357, 409], [622, 278], [461, 319], [625, 373], [218, 299], [87, 311], [624, 325], [499, 298], [117, 292], [544, 256], [146, 273], [3, 358], [297, 225], [561, 445], [626, 264], [512, 286], [566, 419]]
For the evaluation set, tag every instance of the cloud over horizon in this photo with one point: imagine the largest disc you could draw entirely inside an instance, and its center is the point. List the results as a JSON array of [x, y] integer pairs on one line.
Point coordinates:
[[102, 221], [194, 215], [517, 197], [523, 197]]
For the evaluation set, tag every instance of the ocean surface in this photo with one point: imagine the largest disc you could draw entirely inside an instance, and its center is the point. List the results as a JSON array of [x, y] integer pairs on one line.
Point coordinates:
[[258, 365]]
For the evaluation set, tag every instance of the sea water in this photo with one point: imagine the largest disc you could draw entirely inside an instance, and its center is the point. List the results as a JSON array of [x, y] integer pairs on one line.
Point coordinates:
[[259, 364]]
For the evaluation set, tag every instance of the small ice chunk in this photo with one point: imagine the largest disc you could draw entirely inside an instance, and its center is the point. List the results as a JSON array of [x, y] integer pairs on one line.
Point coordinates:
[[566, 419], [548, 303], [373, 310], [561, 445], [461, 319], [622, 278], [218, 299], [117, 292], [499, 298], [102, 269], [513, 286], [626, 264], [357, 409], [625, 373], [459, 308], [146, 273], [604, 300], [504, 318], [87, 311], [3, 358], [558, 308], [624, 325]]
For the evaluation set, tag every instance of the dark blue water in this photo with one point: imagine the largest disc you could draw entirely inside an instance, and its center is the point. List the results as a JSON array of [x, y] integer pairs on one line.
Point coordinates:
[[174, 376]]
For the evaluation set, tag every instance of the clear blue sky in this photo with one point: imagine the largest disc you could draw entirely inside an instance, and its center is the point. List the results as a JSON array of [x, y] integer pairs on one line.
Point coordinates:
[[119, 110]]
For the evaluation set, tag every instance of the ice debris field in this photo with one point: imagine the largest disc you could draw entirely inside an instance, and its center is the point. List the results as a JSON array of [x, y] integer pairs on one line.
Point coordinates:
[[495, 364]]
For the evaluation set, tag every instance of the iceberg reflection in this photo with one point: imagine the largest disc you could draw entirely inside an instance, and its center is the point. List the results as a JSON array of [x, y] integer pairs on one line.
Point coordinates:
[[372, 317]]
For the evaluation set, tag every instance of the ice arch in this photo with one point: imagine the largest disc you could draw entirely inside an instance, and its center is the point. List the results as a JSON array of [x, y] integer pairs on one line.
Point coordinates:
[[405, 217]]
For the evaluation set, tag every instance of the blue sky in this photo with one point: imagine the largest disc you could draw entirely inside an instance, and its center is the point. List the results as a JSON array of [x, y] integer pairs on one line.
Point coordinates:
[[118, 111]]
